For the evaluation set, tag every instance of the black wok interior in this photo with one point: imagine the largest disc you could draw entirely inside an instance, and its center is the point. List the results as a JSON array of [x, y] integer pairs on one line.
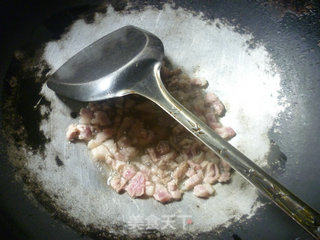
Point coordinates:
[[290, 31]]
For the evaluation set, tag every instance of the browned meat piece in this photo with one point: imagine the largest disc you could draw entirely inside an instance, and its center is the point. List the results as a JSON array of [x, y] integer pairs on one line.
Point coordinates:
[[199, 82], [161, 194], [203, 190], [163, 147], [167, 73], [100, 118], [136, 186], [125, 125], [85, 116], [84, 132], [72, 132], [79, 131]]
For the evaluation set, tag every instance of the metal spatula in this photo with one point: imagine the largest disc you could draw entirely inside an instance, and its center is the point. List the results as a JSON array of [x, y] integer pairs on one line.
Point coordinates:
[[128, 61]]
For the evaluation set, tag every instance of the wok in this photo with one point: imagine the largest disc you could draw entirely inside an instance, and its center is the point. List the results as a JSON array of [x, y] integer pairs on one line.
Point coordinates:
[[288, 31]]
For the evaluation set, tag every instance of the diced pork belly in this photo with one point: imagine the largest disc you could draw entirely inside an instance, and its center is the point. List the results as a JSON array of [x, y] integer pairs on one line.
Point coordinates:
[[72, 132], [109, 160], [84, 132], [118, 165], [165, 159], [225, 132], [144, 169], [149, 188], [176, 194], [111, 146], [193, 181], [212, 173], [126, 154], [136, 186], [173, 190], [128, 172], [213, 101], [100, 138], [180, 171], [161, 194], [99, 153], [118, 183], [85, 116], [190, 172], [203, 190], [199, 82], [194, 165]]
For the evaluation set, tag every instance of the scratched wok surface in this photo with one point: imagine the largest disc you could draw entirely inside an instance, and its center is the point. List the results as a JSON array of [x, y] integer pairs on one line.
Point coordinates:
[[290, 33]]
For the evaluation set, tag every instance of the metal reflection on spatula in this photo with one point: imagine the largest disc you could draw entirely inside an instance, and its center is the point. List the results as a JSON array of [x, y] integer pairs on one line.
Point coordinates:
[[128, 61]]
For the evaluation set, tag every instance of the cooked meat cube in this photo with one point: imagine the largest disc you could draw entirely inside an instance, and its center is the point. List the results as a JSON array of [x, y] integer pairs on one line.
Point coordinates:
[[176, 194], [203, 190], [225, 132], [190, 172], [118, 183], [161, 194], [149, 188], [129, 172], [99, 153], [111, 146], [118, 165], [136, 186], [212, 173], [213, 101], [72, 132], [180, 171], [100, 138], [199, 82], [84, 132], [192, 181]]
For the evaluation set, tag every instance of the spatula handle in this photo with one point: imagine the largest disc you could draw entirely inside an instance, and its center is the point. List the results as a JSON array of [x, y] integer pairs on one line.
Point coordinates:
[[298, 210]]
